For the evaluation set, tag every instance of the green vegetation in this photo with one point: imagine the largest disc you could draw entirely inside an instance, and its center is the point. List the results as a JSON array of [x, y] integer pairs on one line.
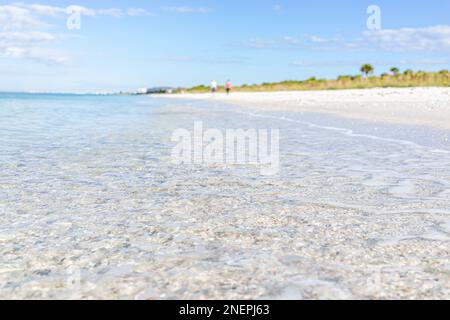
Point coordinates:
[[367, 69], [408, 78], [395, 71]]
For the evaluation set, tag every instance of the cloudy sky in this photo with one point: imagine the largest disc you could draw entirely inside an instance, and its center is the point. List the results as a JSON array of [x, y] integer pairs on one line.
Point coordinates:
[[75, 46]]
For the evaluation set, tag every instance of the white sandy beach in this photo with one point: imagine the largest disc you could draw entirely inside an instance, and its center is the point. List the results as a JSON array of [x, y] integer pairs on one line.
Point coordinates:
[[410, 106]]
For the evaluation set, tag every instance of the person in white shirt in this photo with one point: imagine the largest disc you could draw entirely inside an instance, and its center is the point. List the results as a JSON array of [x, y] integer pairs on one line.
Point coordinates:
[[214, 86]]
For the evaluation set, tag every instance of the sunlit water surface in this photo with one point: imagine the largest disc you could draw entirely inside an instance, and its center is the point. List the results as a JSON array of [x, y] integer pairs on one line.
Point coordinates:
[[91, 206]]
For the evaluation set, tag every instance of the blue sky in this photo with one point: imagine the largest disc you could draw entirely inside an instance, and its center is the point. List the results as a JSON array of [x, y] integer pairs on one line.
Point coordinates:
[[124, 45]]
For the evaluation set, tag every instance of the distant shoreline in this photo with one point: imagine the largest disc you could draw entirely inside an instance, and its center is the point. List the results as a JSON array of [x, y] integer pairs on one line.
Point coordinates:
[[409, 106], [407, 79]]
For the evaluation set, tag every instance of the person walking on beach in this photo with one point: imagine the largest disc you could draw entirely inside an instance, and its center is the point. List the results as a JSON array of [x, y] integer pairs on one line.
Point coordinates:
[[228, 87], [214, 86]]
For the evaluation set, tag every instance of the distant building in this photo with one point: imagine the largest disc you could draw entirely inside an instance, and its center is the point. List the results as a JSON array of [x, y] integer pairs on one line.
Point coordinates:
[[142, 91], [155, 90]]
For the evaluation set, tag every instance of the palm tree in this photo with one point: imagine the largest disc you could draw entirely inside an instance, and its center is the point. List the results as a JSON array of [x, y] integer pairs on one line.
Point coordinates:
[[367, 69], [395, 71]]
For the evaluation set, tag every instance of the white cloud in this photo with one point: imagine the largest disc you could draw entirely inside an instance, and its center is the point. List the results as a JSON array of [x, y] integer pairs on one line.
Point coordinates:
[[433, 38], [188, 10], [22, 37], [21, 26], [44, 10], [24, 16], [258, 43], [314, 41], [29, 45], [15, 17], [32, 12], [277, 8], [81, 10], [317, 39], [292, 40], [41, 55], [428, 39], [112, 12], [136, 12], [14, 37]]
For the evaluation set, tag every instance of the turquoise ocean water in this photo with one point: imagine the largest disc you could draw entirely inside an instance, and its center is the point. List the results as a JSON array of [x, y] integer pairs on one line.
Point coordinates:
[[91, 206]]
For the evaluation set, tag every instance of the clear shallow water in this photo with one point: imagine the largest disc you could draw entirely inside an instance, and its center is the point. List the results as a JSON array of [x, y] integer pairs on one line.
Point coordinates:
[[91, 207]]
